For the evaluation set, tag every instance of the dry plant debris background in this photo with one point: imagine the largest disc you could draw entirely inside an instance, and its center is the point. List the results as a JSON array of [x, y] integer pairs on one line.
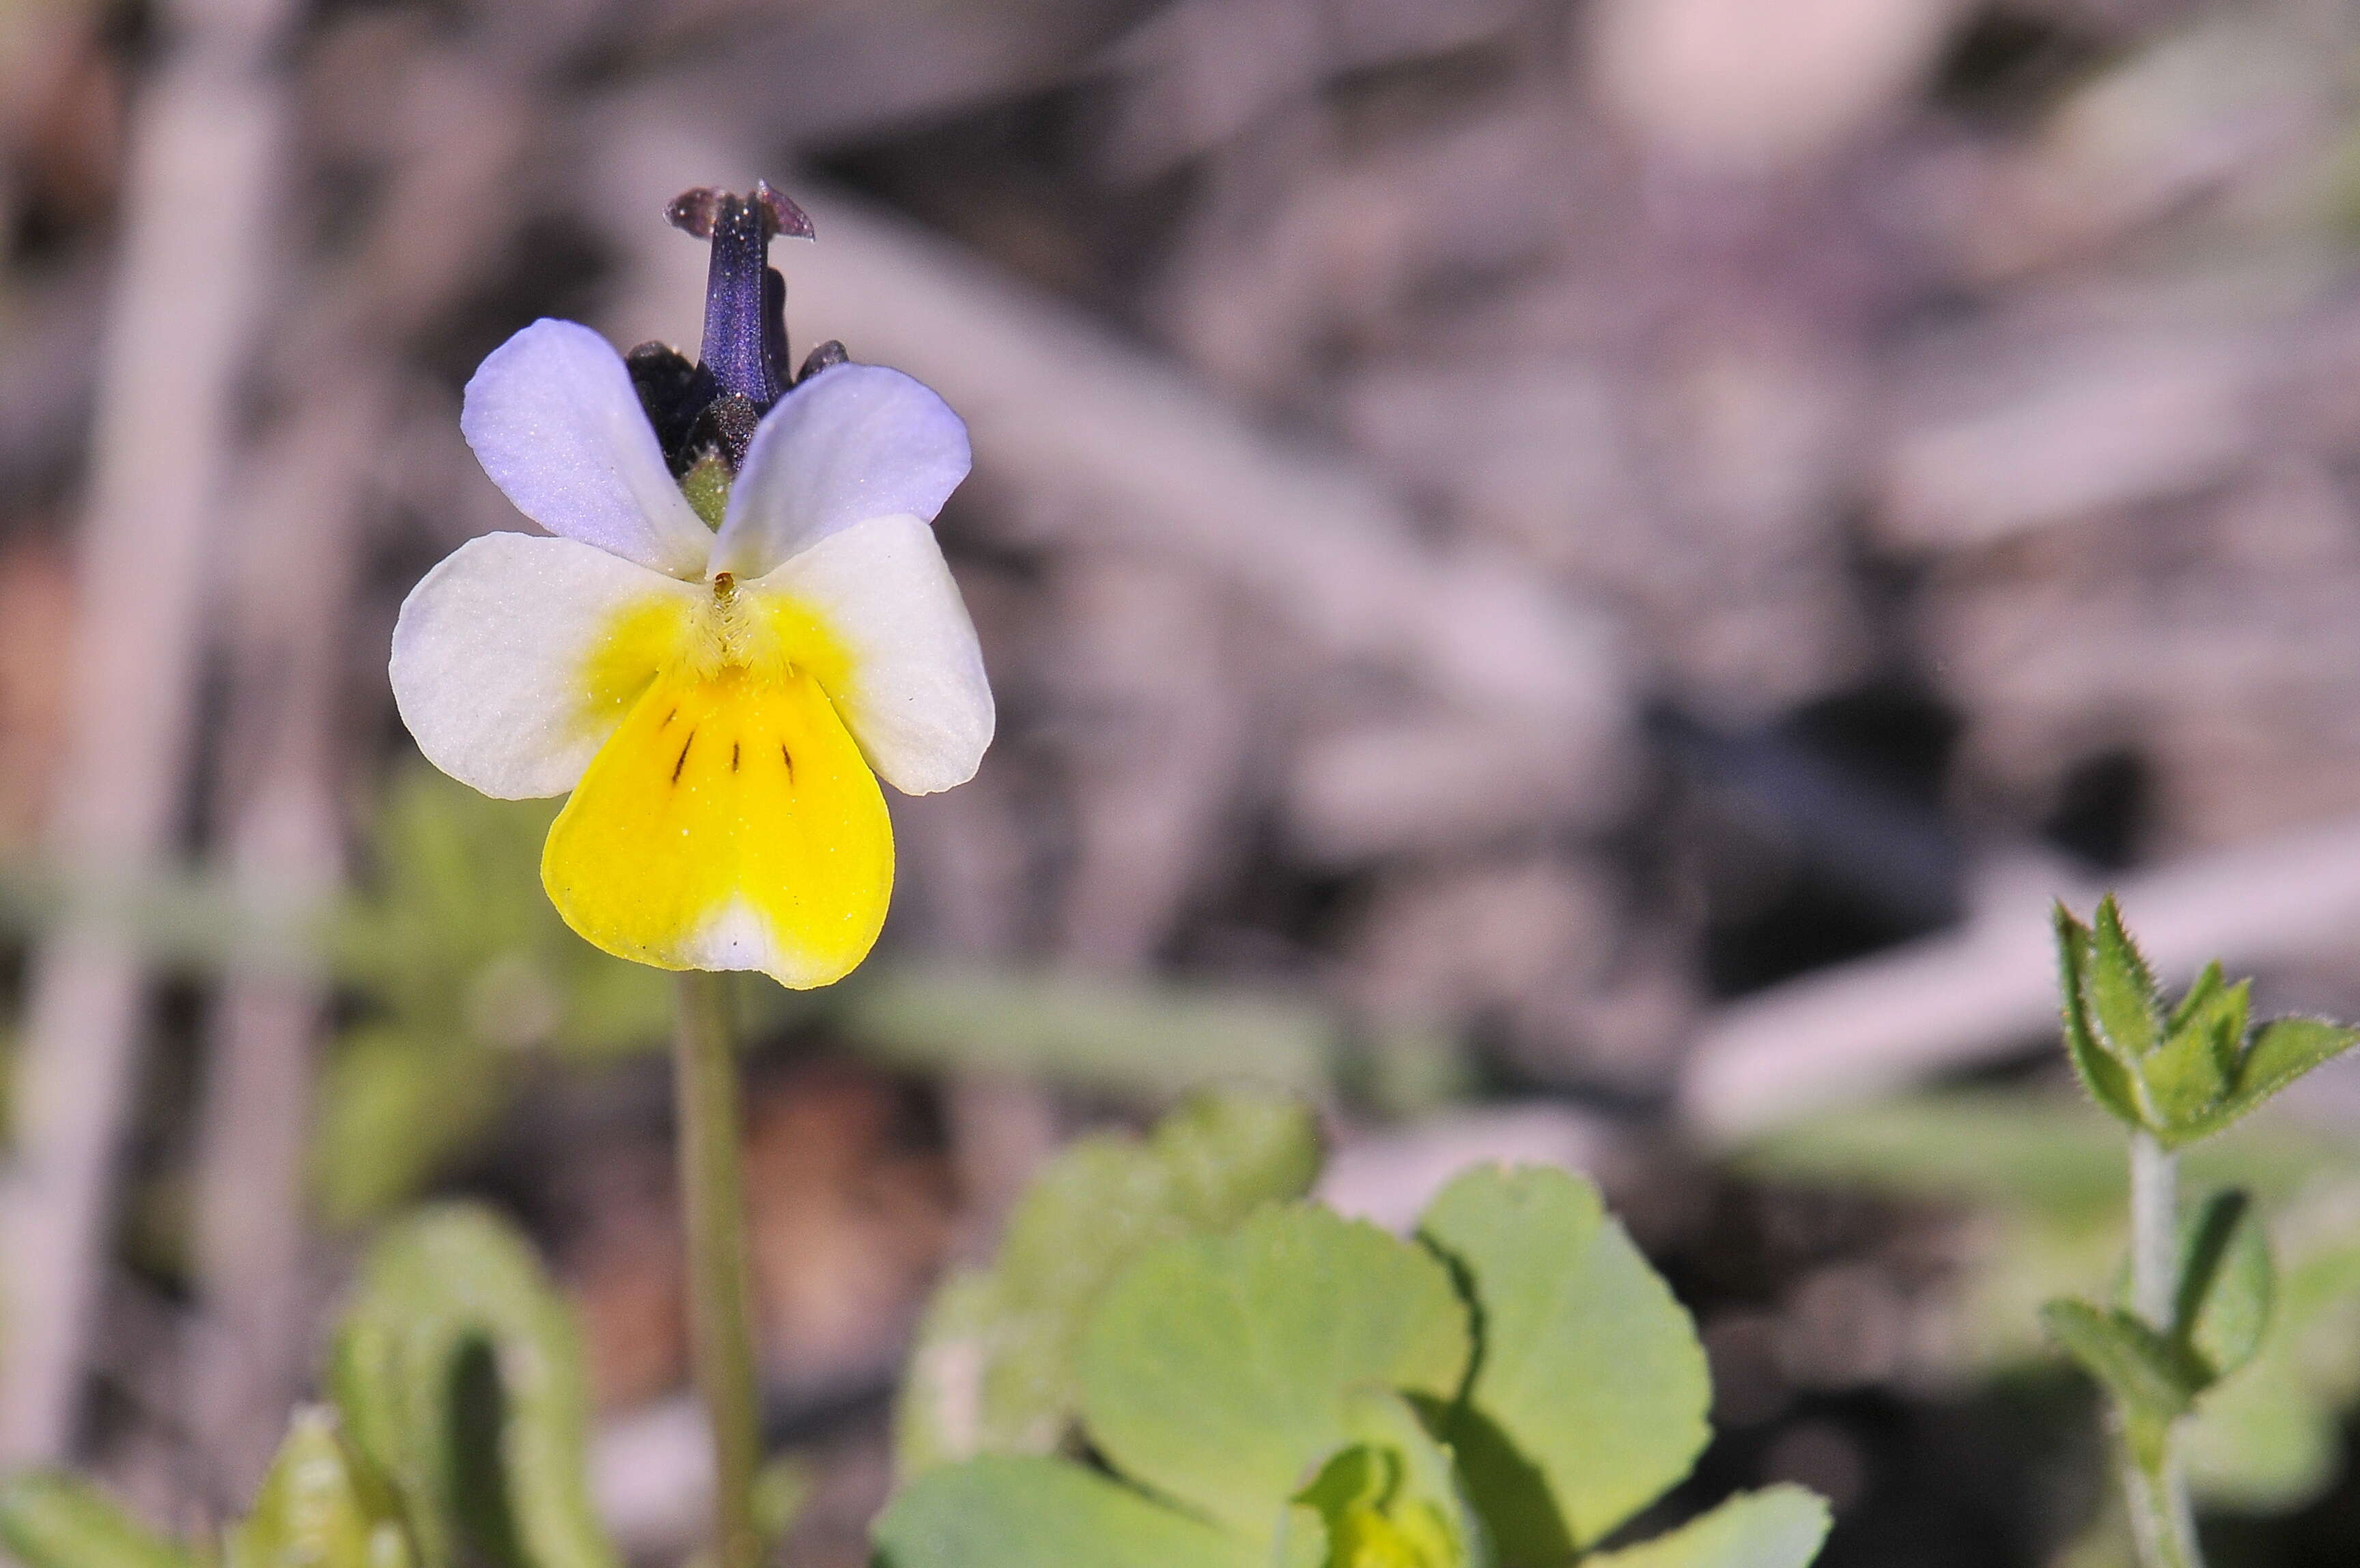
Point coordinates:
[[1585, 569]]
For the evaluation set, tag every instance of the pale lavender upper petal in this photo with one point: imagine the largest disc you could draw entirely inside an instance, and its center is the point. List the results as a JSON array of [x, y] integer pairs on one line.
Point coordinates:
[[555, 422], [851, 444]]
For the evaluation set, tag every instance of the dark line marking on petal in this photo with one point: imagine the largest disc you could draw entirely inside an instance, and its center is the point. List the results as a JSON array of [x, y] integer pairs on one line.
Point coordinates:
[[788, 757], [668, 718], [733, 756], [682, 761]]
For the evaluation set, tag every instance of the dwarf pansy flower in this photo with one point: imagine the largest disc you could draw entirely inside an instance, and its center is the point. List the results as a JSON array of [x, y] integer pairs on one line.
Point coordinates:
[[739, 622]]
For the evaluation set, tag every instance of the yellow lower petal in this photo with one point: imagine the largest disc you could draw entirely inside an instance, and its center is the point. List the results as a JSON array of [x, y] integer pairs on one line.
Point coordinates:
[[729, 823]]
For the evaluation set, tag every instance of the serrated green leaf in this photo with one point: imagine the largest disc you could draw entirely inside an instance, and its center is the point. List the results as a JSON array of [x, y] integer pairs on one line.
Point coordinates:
[[2190, 1073], [53, 1520], [2124, 1003], [1014, 1511], [319, 1507], [2152, 1380], [1779, 1527], [1590, 1395], [458, 1375], [1218, 1369], [995, 1369], [2226, 1283], [2209, 982], [1390, 1495], [2106, 1077], [2219, 1011], [2282, 1051]]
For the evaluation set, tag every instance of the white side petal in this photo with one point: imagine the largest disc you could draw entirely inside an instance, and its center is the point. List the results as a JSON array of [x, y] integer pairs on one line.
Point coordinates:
[[916, 698], [492, 652], [852, 442], [554, 421]]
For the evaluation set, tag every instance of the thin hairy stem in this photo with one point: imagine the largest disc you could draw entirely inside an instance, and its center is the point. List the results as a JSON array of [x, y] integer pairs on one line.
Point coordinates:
[[2156, 1487], [711, 1180]]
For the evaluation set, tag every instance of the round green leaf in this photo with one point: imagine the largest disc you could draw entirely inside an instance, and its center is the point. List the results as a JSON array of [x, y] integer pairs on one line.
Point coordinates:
[[1014, 1511], [994, 1370], [1780, 1527], [1589, 1397], [1220, 1369]]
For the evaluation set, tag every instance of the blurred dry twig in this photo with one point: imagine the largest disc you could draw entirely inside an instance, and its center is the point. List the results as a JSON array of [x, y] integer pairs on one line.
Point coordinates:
[[198, 201]]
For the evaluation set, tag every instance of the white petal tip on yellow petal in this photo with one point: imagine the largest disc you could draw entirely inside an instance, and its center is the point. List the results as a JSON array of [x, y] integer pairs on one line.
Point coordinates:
[[741, 938], [730, 822]]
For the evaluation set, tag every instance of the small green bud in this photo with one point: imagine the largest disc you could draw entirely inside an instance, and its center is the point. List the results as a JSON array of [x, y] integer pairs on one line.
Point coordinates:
[[707, 486]]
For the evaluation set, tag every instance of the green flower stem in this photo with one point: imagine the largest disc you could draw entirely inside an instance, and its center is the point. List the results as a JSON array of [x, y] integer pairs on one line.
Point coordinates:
[[711, 1180], [2155, 1486]]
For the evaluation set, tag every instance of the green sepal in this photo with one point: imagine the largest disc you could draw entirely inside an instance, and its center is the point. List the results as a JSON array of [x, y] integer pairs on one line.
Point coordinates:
[[1778, 1527], [707, 486], [49, 1519], [321, 1505], [458, 1375], [2105, 1076], [2153, 1379], [1590, 1395], [1018, 1511]]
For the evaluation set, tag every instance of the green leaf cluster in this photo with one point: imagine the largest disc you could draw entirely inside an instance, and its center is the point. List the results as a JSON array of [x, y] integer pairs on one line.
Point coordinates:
[[2221, 1307], [1157, 1371], [2175, 1075], [456, 1434], [2047, 1181], [2179, 1073]]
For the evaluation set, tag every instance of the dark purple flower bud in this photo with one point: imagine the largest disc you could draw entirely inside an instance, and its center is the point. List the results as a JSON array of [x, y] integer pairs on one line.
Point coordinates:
[[826, 357]]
